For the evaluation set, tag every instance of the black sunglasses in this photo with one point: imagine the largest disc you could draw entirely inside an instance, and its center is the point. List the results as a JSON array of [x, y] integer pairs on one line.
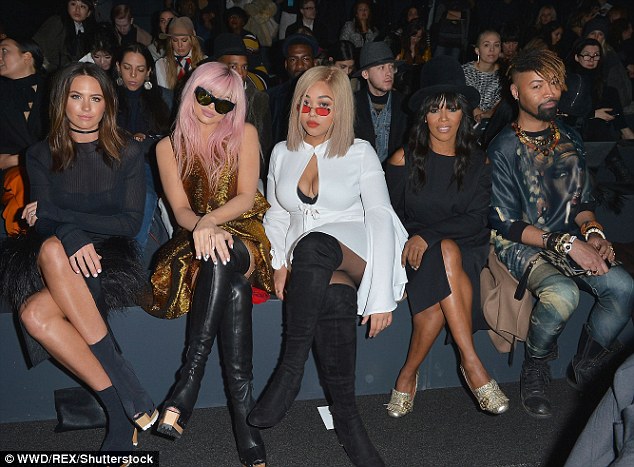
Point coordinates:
[[204, 97]]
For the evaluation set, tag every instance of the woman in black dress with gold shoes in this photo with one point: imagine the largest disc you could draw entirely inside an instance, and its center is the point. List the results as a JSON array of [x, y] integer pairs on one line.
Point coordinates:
[[440, 186]]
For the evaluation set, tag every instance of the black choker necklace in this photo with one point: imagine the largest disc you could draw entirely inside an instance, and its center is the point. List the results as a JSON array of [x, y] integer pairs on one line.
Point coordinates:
[[85, 132]]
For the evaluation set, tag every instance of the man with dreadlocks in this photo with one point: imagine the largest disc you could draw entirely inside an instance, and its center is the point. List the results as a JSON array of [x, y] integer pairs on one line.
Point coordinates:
[[547, 234]]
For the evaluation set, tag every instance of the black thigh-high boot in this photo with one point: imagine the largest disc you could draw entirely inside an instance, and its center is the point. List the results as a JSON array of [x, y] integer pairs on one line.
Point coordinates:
[[210, 301], [315, 258], [236, 342], [135, 400], [335, 346]]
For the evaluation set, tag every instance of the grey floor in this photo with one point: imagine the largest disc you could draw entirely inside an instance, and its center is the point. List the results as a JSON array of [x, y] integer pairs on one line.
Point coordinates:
[[445, 429]]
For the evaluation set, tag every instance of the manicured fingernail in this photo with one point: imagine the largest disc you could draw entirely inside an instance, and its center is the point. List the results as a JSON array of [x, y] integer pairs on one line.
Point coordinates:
[[228, 259], [224, 263], [87, 275], [98, 271], [95, 275], [198, 257], [231, 246]]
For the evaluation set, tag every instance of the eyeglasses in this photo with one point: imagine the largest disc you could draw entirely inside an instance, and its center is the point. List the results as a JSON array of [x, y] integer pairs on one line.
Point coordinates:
[[321, 111], [590, 58], [204, 97]]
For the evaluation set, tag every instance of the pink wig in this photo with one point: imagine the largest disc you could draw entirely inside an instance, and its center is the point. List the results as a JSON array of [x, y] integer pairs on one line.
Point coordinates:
[[222, 146]]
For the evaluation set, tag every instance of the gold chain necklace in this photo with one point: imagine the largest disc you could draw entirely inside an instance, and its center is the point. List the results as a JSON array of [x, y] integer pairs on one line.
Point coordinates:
[[544, 146]]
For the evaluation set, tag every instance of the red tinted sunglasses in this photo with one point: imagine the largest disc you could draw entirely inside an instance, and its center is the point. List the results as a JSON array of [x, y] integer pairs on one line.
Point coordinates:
[[321, 111]]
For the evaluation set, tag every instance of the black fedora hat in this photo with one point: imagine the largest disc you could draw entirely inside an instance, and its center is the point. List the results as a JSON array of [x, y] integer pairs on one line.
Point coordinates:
[[440, 75], [229, 44], [374, 54]]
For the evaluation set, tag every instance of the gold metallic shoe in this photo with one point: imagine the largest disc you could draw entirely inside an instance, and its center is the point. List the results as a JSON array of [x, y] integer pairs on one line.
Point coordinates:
[[401, 403], [489, 396]]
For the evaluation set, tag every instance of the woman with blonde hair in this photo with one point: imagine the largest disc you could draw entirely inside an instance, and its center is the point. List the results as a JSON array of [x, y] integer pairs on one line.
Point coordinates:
[[182, 55], [209, 169], [332, 231]]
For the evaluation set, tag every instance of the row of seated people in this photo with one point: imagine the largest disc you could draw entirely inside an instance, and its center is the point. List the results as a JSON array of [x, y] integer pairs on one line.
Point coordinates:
[[335, 237]]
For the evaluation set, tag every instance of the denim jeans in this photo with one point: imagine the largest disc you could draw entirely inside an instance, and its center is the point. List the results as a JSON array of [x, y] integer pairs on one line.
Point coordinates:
[[558, 297]]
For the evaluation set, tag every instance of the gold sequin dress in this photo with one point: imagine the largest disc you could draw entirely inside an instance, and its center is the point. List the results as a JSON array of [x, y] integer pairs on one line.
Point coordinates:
[[173, 280]]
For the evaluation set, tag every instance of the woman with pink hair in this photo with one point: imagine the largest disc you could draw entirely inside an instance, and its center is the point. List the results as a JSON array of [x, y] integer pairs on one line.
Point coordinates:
[[209, 169]]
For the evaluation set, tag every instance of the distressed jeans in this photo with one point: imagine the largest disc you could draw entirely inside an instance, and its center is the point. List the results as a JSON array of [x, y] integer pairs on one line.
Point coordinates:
[[558, 297]]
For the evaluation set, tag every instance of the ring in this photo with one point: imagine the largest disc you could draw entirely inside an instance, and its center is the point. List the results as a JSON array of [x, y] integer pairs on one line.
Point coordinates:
[[32, 213]]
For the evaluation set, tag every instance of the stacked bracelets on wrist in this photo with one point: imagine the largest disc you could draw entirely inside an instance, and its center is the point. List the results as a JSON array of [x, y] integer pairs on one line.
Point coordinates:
[[558, 242], [592, 227]]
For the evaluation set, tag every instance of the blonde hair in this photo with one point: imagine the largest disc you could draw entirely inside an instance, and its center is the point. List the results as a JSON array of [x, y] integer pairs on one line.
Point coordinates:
[[341, 133], [171, 66]]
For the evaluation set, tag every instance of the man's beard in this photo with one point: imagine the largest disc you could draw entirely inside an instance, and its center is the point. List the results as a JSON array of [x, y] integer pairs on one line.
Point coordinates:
[[545, 115]]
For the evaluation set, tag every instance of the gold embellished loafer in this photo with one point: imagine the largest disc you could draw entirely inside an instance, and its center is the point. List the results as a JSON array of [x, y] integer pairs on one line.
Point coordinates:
[[401, 403], [490, 397]]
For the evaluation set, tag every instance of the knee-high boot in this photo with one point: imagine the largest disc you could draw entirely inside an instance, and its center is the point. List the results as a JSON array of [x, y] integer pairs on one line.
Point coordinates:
[[315, 258], [135, 400], [210, 301], [335, 346], [236, 340]]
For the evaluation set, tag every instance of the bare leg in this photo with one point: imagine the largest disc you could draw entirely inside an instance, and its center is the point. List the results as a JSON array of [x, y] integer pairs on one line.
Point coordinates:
[[457, 310], [426, 326], [45, 321]]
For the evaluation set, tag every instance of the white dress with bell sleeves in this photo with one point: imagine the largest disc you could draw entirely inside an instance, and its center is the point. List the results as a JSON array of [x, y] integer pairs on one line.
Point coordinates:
[[353, 206]]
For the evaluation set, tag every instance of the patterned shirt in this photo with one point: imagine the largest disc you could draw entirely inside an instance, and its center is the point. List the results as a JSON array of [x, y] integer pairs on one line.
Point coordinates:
[[487, 84]]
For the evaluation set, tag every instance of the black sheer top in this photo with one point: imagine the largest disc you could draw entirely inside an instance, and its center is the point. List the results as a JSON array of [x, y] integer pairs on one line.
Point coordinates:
[[92, 199]]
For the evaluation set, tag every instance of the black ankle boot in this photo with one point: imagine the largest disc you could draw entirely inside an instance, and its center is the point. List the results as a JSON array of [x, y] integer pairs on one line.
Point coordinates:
[[534, 381], [237, 355], [135, 400], [211, 297], [315, 258], [592, 364], [335, 347], [119, 430]]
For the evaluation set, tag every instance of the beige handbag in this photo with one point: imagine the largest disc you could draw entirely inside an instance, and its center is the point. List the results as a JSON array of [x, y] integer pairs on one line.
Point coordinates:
[[507, 317]]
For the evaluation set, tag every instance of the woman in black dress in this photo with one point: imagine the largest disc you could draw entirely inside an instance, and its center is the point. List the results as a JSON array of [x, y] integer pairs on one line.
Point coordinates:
[[440, 186], [87, 194]]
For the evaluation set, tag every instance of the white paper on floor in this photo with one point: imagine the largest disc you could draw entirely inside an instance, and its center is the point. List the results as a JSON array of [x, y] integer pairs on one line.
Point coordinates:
[[326, 417]]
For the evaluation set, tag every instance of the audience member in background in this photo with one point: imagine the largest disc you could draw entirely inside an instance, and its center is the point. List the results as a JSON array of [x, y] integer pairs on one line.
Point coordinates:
[[103, 50], [414, 48], [66, 37], [604, 120], [380, 119], [209, 171], [230, 50], [614, 72], [299, 52], [483, 74], [191, 9], [182, 55], [510, 37], [332, 230], [308, 18], [440, 186], [341, 55], [235, 20], [23, 121], [545, 15], [158, 47], [144, 113], [548, 38], [620, 37], [127, 32], [542, 201], [360, 30], [79, 259]]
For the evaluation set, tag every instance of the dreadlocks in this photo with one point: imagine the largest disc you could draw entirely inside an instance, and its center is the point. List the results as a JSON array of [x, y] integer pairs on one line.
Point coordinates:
[[545, 63]]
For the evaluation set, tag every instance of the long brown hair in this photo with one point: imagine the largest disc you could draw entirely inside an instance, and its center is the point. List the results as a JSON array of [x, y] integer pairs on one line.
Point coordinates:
[[111, 140]]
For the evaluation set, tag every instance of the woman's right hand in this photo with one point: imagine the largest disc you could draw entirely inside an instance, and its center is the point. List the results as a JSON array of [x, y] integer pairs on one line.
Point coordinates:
[[279, 282], [86, 261], [210, 239], [413, 251], [603, 114]]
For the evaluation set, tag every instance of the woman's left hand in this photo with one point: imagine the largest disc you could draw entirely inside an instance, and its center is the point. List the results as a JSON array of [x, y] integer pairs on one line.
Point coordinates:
[[413, 251], [210, 239], [378, 322], [29, 213]]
